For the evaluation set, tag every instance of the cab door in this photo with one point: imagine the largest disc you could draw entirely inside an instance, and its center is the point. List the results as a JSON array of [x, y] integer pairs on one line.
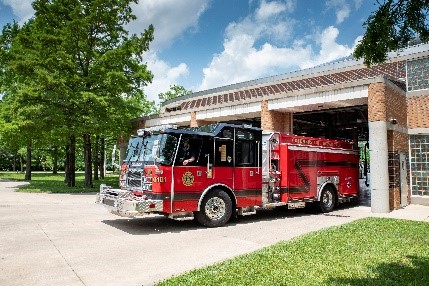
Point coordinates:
[[247, 171], [189, 179]]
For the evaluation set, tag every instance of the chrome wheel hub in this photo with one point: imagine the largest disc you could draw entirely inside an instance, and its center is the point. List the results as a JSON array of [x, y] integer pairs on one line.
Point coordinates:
[[327, 199], [215, 208]]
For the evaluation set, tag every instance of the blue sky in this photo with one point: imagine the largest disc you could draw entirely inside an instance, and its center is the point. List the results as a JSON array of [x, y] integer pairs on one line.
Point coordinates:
[[202, 44]]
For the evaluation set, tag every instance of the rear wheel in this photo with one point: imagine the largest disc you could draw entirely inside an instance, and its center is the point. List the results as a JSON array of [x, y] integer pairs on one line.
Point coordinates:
[[216, 209], [327, 199]]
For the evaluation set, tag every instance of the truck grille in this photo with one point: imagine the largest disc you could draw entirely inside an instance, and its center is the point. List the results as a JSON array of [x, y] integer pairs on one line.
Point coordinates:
[[138, 179], [134, 179]]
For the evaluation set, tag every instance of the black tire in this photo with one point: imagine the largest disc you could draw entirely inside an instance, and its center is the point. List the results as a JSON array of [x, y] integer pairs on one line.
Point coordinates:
[[327, 199], [216, 209]]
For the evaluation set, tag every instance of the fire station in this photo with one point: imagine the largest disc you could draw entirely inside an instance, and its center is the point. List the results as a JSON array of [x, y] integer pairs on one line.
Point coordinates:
[[383, 109]]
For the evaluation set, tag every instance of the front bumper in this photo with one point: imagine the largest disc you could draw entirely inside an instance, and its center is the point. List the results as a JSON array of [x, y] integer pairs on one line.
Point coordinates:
[[124, 203]]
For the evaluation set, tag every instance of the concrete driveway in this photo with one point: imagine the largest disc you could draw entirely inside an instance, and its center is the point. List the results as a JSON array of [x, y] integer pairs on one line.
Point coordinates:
[[66, 239]]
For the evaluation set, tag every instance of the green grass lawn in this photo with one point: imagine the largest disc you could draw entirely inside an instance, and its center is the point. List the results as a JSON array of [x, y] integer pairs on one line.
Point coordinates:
[[372, 251], [44, 182]]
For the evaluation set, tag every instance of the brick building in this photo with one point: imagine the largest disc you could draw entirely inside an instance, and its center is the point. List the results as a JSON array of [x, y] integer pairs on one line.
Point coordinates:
[[385, 105]]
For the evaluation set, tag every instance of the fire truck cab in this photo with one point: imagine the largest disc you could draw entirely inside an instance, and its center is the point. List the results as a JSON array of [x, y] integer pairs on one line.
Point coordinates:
[[236, 170]]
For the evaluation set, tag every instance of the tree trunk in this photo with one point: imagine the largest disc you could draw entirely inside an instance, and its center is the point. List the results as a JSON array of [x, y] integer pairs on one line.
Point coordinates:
[[71, 162], [96, 157], [14, 162], [102, 156], [66, 163], [28, 163], [55, 160], [88, 160]]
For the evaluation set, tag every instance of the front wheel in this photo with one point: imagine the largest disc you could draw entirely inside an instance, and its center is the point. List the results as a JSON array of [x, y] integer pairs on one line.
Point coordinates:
[[327, 199], [216, 209]]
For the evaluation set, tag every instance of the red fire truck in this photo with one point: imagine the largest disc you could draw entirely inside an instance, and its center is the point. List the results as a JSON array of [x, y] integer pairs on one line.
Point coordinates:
[[235, 171]]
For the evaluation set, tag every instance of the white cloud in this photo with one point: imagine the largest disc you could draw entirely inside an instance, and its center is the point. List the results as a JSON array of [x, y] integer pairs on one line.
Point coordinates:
[[270, 9], [164, 75], [269, 20], [271, 57], [342, 8], [329, 49], [21, 9], [171, 18], [241, 61], [244, 58], [342, 14]]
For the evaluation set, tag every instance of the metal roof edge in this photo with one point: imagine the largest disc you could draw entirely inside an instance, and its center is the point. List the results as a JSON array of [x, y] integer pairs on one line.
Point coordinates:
[[408, 53]]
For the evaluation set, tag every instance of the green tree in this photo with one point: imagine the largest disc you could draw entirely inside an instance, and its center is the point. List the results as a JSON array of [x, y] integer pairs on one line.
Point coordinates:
[[79, 64], [20, 124], [392, 26], [175, 91], [9, 145]]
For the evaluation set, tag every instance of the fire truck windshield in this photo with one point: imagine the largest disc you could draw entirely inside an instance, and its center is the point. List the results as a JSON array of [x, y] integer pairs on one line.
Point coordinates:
[[133, 149], [140, 149]]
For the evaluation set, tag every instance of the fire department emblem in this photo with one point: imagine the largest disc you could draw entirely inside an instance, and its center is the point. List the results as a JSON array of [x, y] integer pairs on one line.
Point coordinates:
[[188, 179]]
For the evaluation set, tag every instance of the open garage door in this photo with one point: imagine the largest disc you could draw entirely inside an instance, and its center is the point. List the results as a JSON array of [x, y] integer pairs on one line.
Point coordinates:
[[349, 123]]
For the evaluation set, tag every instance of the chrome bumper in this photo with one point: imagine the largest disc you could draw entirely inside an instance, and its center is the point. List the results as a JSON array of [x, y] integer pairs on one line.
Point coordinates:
[[124, 203]]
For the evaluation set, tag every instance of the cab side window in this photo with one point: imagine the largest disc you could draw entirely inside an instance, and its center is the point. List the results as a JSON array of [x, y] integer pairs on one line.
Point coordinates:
[[196, 144], [224, 148], [245, 149], [206, 151], [189, 146]]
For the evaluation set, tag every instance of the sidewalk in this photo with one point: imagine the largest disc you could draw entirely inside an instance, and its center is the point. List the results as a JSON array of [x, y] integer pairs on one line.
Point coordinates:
[[410, 212], [67, 239]]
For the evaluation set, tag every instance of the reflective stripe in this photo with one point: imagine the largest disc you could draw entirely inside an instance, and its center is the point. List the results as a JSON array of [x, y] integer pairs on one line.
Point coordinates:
[[322, 150]]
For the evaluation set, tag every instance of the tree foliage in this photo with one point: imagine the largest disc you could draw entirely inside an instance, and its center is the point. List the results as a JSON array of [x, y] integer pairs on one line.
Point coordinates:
[[391, 27], [175, 91], [73, 72]]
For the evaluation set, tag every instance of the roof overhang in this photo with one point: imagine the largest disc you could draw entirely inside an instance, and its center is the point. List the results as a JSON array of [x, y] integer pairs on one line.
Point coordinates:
[[346, 97]]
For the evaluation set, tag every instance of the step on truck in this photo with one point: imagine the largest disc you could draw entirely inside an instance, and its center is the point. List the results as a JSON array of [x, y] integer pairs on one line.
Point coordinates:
[[235, 170]]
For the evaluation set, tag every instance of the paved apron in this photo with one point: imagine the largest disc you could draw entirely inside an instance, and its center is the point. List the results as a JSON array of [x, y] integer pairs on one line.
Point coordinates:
[[66, 239]]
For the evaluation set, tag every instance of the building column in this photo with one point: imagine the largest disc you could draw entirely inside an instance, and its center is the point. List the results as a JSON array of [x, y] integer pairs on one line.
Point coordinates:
[[275, 120], [197, 123], [378, 147], [378, 153], [388, 138]]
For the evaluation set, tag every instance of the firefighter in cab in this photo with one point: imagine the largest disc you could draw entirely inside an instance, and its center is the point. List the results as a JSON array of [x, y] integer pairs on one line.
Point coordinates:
[[189, 153]]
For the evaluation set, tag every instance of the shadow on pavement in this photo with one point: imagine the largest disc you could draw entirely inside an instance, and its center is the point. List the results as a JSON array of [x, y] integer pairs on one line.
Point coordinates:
[[159, 224], [151, 225], [13, 184]]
